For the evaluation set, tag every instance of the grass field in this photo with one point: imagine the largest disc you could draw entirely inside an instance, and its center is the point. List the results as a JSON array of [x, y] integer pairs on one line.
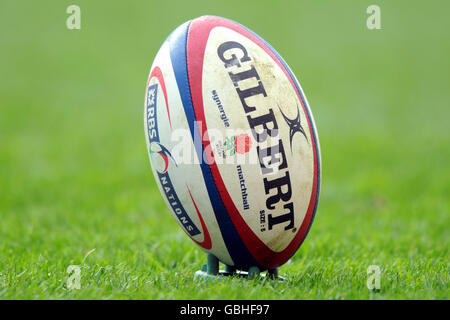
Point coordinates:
[[76, 186]]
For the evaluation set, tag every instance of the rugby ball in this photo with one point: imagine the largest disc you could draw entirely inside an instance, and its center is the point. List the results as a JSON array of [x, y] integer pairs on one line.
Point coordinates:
[[232, 143]]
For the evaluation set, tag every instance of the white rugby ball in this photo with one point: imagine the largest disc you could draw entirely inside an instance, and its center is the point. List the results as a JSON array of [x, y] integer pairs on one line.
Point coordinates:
[[232, 143]]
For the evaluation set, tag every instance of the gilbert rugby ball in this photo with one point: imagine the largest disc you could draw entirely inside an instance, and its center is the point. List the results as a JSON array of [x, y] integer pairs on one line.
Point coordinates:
[[232, 143]]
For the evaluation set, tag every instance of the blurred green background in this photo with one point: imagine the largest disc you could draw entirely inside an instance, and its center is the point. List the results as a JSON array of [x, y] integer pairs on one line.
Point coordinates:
[[75, 175]]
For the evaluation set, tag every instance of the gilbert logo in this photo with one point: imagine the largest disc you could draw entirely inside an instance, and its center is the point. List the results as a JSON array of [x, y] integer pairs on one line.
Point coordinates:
[[294, 125]]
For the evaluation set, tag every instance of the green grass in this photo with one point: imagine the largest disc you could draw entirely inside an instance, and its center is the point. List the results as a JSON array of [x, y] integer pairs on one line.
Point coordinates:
[[75, 176]]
